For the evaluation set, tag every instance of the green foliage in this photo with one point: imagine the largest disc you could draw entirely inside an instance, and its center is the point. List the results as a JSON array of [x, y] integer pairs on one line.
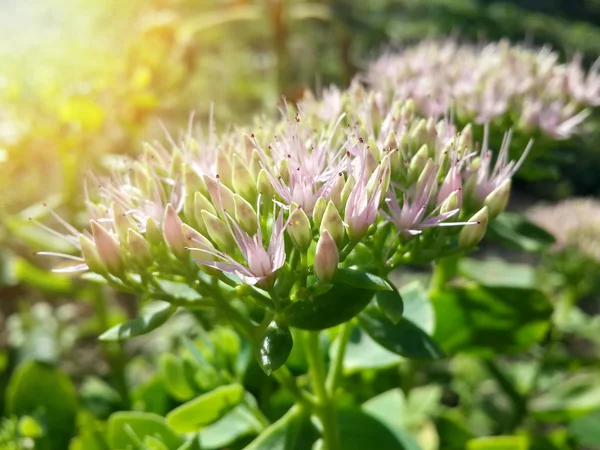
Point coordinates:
[[43, 391], [490, 320]]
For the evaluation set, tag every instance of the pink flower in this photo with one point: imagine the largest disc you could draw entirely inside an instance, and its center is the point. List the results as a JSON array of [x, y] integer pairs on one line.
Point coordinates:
[[365, 197], [410, 217], [486, 178], [312, 166], [260, 264]]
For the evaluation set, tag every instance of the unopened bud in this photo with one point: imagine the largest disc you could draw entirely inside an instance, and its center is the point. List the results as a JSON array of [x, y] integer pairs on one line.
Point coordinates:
[[497, 200], [243, 182], [319, 211], [284, 171], [153, 233], [332, 222], [224, 169], [218, 231], [108, 248], [474, 232], [451, 203], [172, 232], [417, 163], [263, 185], [327, 258], [336, 192], [245, 215], [139, 249], [90, 254], [299, 229], [221, 196], [347, 189], [200, 247], [122, 222]]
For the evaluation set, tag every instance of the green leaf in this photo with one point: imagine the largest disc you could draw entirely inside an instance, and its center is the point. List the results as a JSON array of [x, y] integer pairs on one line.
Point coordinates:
[[140, 325], [43, 280], [488, 321], [362, 352], [39, 389], [390, 302], [180, 291], [234, 425], [274, 348], [206, 409], [143, 425], [360, 279], [338, 305], [398, 412], [403, 338], [417, 306], [499, 443], [360, 430], [514, 231], [586, 430], [293, 431], [172, 369], [568, 397], [498, 273]]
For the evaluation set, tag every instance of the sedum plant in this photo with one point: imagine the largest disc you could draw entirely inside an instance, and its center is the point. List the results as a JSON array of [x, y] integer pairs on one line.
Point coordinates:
[[499, 81], [293, 224]]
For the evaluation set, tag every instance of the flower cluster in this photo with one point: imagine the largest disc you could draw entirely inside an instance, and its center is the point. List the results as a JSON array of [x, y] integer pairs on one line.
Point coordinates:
[[574, 223], [482, 83], [280, 208]]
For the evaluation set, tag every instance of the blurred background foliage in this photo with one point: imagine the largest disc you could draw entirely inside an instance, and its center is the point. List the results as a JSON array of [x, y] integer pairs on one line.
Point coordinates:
[[83, 81]]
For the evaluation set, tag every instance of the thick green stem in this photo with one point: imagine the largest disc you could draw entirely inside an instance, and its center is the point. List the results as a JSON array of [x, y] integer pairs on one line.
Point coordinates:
[[443, 271], [337, 365], [325, 409]]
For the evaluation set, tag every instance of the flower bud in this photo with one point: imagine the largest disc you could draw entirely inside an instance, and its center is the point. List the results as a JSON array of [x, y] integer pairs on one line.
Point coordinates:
[[471, 235], [255, 166], [224, 169], [347, 189], [263, 185], [122, 222], [299, 229], [90, 254], [452, 203], [327, 258], [336, 192], [218, 231], [221, 196], [196, 243], [245, 215], [194, 182], [465, 139], [452, 184], [417, 163], [243, 182], [390, 142], [108, 248], [172, 232], [319, 211], [139, 249], [284, 171], [497, 200], [332, 222], [153, 233]]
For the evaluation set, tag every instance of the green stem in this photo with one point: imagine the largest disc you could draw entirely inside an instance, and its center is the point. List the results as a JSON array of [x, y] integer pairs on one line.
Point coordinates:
[[325, 409], [337, 365], [282, 375], [443, 271]]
